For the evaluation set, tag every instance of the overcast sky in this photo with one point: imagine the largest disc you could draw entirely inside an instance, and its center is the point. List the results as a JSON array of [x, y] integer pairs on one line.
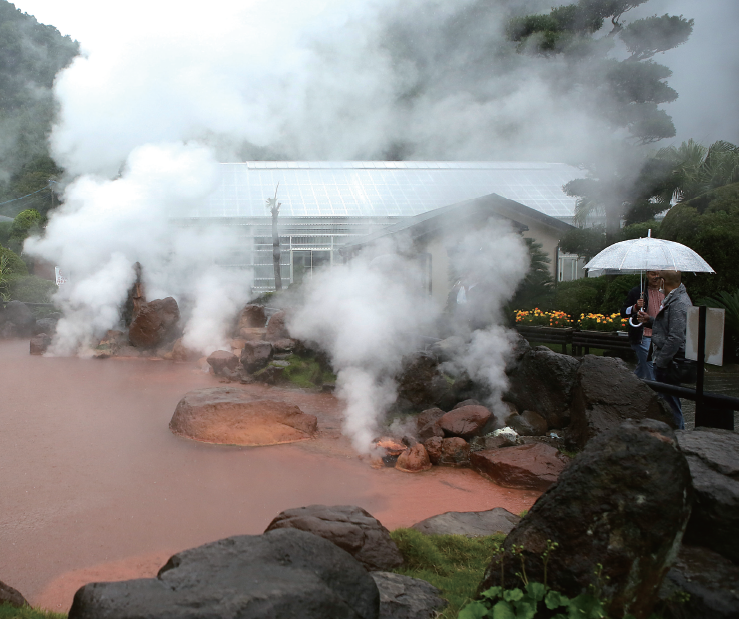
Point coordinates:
[[705, 69]]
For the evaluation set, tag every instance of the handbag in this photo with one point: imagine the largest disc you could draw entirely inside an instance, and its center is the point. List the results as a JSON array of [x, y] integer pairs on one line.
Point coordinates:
[[682, 370]]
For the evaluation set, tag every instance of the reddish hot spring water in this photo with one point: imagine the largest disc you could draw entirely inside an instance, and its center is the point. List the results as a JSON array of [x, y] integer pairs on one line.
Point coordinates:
[[95, 487]]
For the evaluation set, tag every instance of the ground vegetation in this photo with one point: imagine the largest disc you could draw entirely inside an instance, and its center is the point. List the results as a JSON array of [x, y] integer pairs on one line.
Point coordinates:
[[31, 55], [8, 611]]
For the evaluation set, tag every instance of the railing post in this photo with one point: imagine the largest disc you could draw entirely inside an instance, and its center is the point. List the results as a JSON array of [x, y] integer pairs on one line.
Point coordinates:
[[699, 404]]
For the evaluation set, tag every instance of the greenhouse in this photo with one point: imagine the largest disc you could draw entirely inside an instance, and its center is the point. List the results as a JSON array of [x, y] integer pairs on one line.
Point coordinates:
[[326, 205]]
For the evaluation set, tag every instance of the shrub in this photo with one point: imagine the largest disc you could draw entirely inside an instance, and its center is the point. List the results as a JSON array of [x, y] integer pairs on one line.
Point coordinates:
[[5, 227], [31, 289], [25, 223], [27, 612], [15, 265], [708, 224], [581, 296]]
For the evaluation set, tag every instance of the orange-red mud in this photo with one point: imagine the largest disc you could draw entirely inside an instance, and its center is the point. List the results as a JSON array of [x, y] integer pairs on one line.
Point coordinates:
[[94, 486]]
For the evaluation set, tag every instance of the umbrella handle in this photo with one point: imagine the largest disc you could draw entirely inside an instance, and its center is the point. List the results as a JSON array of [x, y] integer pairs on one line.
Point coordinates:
[[637, 325]]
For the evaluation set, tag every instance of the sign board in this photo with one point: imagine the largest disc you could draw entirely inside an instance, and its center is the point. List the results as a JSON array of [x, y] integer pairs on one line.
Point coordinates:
[[60, 279], [714, 335]]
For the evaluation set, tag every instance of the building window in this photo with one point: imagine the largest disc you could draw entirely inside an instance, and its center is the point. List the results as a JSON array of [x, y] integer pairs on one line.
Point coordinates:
[[305, 261], [570, 267]]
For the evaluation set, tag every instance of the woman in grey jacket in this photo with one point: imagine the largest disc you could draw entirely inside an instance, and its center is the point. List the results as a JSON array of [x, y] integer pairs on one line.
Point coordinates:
[[668, 336]]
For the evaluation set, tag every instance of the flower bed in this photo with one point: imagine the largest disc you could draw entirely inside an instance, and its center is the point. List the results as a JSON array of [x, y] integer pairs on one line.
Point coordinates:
[[601, 322], [537, 318]]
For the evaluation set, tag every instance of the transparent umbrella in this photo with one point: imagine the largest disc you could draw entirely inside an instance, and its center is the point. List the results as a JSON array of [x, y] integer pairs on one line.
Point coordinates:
[[649, 254]]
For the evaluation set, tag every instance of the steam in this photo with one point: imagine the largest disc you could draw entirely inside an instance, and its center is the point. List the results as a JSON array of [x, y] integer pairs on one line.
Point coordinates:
[[105, 226], [369, 314]]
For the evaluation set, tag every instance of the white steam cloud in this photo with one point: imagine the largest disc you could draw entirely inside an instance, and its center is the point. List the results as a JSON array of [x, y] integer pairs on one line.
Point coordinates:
[[369, 314], [105, 226]]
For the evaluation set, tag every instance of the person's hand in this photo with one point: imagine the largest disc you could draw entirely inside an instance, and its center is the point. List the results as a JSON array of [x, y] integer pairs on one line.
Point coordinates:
[[642, 316], [640, 304]]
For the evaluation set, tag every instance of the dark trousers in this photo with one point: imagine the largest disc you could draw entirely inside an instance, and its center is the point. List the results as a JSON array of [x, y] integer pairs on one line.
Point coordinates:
[[661, 375]]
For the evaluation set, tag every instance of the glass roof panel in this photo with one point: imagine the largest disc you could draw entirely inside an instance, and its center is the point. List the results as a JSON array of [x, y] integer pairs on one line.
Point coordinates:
[[371, 189]]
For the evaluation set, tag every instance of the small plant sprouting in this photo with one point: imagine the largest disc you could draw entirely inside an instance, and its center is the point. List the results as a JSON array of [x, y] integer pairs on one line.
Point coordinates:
[[518, 551], [545, 557]]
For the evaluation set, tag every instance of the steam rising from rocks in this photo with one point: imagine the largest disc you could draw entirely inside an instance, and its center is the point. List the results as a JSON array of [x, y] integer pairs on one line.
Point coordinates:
[[369, 314], [105, 226]]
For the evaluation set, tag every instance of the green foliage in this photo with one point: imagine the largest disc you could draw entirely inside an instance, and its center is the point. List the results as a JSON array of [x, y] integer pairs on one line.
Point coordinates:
[[646, 37], [5, 227], [708, 224], [31, 289], [31, 55], [26, 223], [35, 179], [305, 372], [7, 611], [585, 242], [453, 563], [581, 296], [537, 287], [15, 265]]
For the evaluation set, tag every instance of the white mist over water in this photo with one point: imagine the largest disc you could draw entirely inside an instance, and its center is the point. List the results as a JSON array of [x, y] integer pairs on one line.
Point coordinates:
[[368, 314], [105, 226]]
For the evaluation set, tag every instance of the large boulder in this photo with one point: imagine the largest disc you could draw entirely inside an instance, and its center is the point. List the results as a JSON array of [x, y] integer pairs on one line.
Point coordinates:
[[543, 381], [464, 422], [455, 451], [713, 457], [231, 416], [221, 361], [180, 352], [623, 503], [155, 323], [20, 316], [277, 327], [286, 573], [47, 325], [606, 394], [415, 459], [710, 581], [251, 317], [404, 597], [350, 527], [471, 524], [255, 355], [11, 596], [421, 385], [427, 424], [528, 423], [534, 467]]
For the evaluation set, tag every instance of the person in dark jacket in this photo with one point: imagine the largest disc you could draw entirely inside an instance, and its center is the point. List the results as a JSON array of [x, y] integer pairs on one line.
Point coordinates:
[[640, 336], [668, 336]]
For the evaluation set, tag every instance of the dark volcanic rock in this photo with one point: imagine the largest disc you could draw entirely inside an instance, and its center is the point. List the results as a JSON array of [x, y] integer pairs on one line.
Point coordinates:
[[46, 325], [711, 581], [543, 380], [607, 393], [535, 467], [623, 502], [421, 385], [464, 422], [251, 317], [433, 448], [155, 323], [11, 596], [455, 451], [285, 573], [221, 360], [228, 415], [528, 423], [39, 344], [471, 524], [469, 402], [255, 355], [713, 456], [276, 327], [20, 316], [403, 597], [350, 527]]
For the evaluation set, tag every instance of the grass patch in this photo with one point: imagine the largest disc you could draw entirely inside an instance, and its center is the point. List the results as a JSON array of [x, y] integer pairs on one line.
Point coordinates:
[[453, 563], [305, 372], [8, 611]]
